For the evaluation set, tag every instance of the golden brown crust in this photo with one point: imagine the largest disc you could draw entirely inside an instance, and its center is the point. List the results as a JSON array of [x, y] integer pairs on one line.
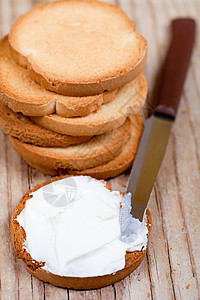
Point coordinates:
[[77, 127], [83, 106], [18, 236], [122, 162], [87, 283], [20, 127], [23, 95], [98, 151], [130, 100], [94, 84]]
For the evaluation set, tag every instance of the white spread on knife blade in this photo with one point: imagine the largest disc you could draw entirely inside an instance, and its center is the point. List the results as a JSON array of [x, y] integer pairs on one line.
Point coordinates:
[[73, 225]]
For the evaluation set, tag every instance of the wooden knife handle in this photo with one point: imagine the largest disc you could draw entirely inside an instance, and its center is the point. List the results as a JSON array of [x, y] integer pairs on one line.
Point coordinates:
[[175, 66]]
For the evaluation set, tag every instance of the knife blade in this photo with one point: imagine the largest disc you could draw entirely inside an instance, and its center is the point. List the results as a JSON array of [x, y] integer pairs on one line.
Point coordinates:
[[158, 126]]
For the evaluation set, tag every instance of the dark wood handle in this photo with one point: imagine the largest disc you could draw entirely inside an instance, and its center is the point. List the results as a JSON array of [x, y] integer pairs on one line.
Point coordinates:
[[175, 66]]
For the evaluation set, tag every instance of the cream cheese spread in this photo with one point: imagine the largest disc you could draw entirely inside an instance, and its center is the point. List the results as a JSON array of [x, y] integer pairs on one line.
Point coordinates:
[[73, 225]]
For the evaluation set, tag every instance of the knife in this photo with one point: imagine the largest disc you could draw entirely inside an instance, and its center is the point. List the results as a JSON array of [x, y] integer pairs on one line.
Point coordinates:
[[157, 127]]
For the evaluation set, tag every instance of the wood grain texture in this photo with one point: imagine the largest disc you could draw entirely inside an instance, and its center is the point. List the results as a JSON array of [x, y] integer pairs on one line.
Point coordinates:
[[171, 269]]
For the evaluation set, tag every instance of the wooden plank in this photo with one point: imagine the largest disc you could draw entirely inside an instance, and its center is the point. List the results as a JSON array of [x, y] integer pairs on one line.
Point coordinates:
[[174, 228], [188, 181], [85, 295], [9, 280], [108, 292], [51, 292], [186, 147], [135, 286], [162, 19], [159, 265], [188, 184], [19, 7], [17, 185], [6, 16], [192, 90]]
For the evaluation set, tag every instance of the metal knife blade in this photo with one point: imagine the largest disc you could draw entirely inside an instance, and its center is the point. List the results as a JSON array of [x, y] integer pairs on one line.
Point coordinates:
[[147, 161]]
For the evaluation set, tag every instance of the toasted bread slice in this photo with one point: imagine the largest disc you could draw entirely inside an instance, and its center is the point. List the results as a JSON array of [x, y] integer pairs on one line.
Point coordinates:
[[130, 100], [78, 47], [18, 237], [23, 95], [113, 168], [20, 127], [82, 106], [122, 162], [95, 152]]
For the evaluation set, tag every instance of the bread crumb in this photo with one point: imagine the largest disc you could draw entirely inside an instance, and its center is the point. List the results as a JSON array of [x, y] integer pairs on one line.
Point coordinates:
[[187, 287], [122, 184]]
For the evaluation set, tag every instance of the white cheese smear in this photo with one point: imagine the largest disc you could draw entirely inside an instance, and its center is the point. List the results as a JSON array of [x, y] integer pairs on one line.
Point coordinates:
[[73, 225]]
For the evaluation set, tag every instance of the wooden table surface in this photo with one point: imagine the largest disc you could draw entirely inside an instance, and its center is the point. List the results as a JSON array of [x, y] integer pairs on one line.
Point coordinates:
[[171, 268]]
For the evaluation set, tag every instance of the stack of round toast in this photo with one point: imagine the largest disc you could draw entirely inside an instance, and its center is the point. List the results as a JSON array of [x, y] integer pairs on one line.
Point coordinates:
[[72, 88]]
